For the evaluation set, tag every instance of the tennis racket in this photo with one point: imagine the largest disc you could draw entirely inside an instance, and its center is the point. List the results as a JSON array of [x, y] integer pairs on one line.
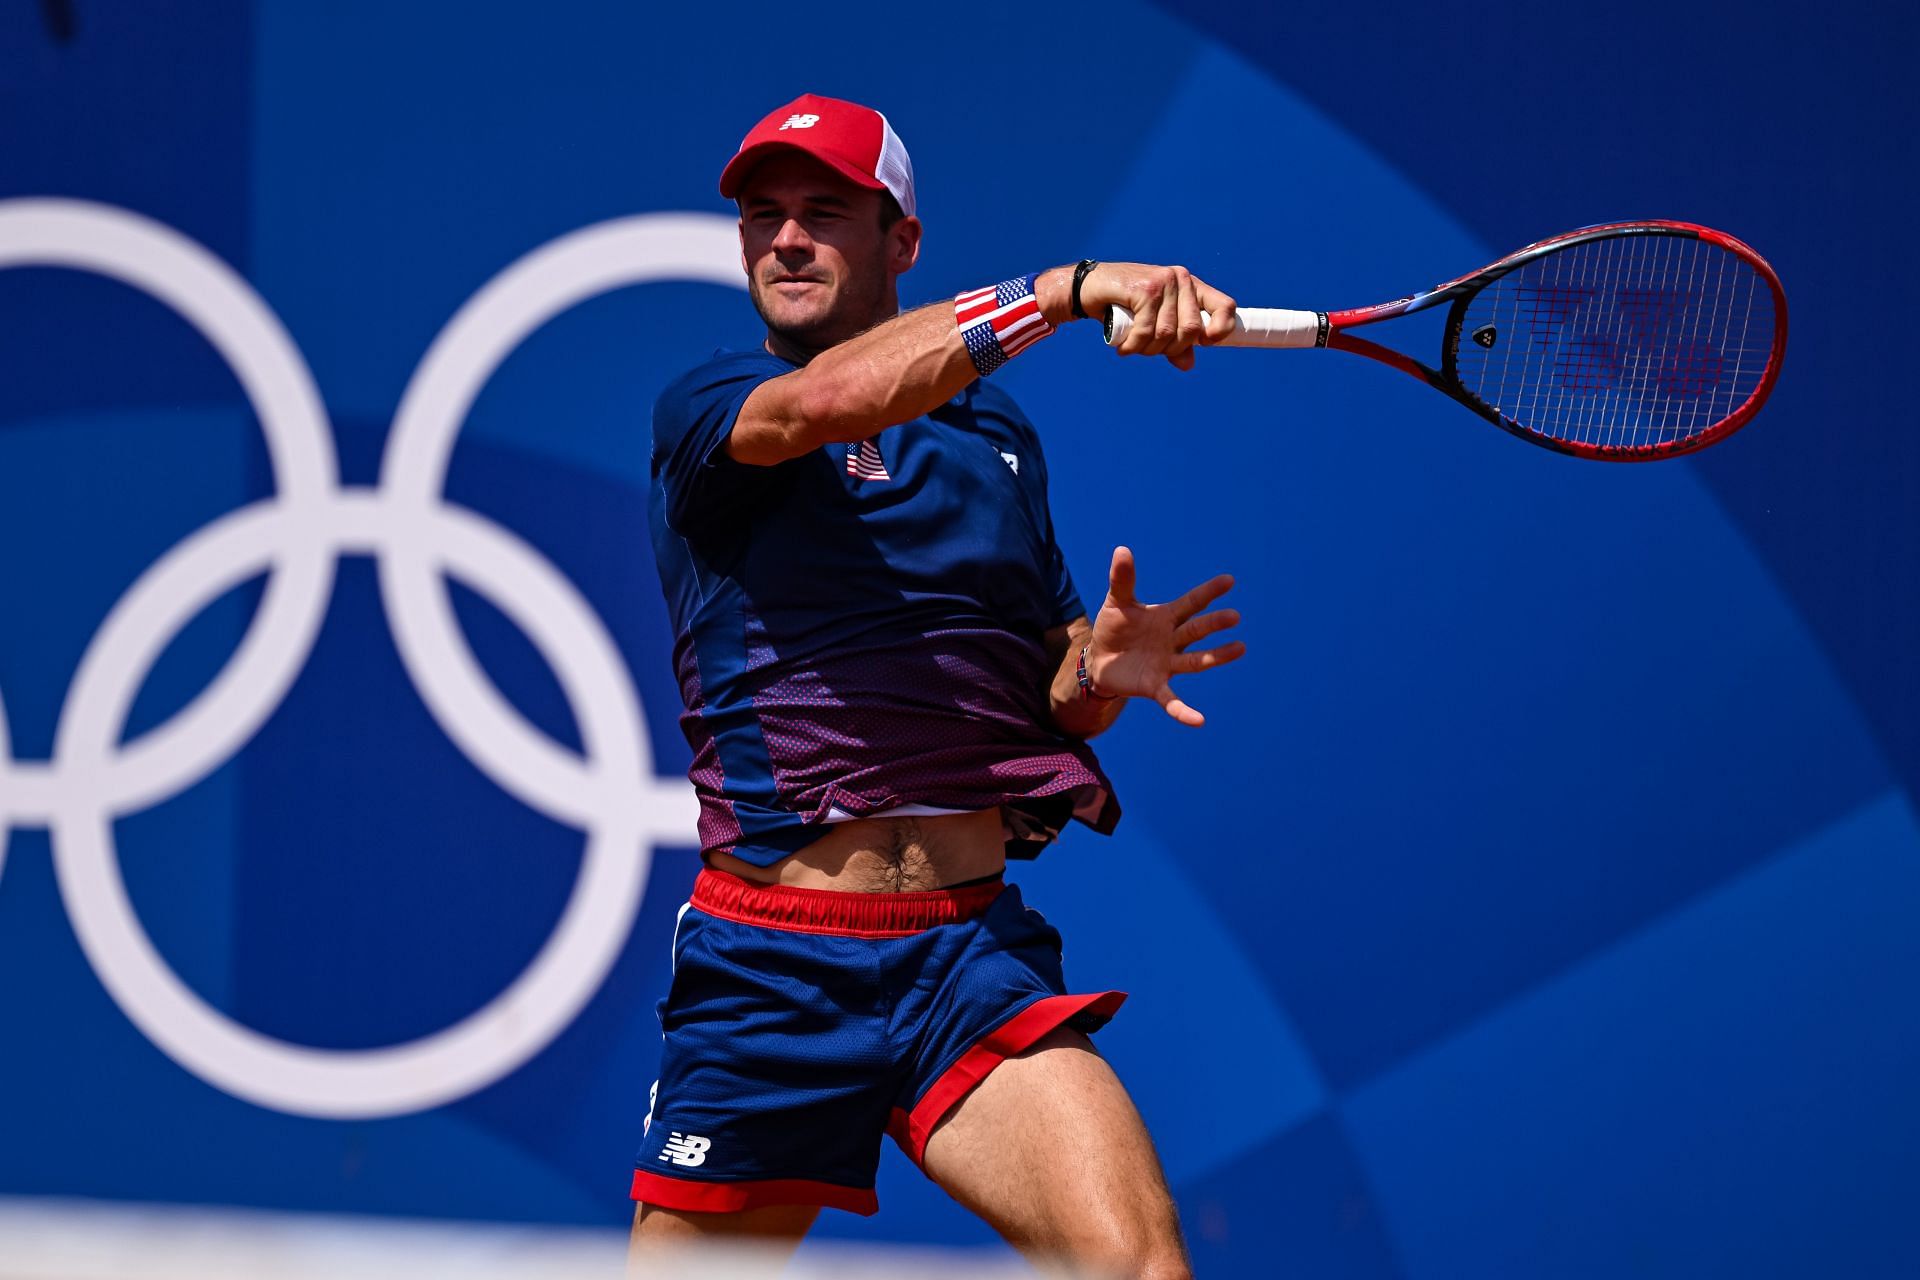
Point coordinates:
[[1626, 342]]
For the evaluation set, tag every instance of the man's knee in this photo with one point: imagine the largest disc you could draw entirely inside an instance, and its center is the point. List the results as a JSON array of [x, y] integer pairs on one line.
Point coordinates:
[[1145, 1243], [1166, 1255], [1168, 1265], [1167, 1268], [1139, 1260]]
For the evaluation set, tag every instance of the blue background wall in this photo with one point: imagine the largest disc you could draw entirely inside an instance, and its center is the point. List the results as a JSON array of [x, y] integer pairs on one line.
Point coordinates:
[[1539, 898]]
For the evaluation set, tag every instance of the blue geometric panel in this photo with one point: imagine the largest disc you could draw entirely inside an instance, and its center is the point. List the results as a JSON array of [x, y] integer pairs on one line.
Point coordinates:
[[105, 114], [1299, 1204], [1726, 1092]]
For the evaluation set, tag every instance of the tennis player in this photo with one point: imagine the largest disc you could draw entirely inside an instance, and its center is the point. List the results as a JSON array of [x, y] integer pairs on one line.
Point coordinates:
[[889, 681]]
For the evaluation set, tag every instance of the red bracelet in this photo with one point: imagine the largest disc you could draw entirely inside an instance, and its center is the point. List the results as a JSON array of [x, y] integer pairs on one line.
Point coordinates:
[[1086, 681]]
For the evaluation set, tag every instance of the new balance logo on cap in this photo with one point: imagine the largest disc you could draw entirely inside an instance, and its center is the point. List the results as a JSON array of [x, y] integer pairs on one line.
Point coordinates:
[[686, 1149], [854, 141]]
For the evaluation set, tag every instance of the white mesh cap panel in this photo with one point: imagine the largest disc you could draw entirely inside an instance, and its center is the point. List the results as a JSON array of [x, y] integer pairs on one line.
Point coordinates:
[[895, 169]]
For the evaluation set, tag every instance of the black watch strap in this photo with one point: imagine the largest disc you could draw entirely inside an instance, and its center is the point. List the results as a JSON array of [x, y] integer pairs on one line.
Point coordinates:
[[1080, 278]]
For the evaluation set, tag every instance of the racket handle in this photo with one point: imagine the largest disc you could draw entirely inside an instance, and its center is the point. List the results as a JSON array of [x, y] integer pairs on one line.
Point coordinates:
[[1252, 327]]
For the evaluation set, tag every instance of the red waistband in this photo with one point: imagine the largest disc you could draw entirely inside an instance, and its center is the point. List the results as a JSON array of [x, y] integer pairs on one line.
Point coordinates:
[[854, 915]]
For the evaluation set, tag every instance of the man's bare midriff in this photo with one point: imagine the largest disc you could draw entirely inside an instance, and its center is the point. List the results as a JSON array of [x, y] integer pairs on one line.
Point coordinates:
[[887, 855]]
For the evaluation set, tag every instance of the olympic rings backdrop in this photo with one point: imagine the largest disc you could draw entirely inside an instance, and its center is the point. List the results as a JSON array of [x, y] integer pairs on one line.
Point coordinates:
[[1540, 898]]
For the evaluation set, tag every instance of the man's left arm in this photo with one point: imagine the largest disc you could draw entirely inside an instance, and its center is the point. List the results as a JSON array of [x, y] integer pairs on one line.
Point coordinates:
[[1134, 649]]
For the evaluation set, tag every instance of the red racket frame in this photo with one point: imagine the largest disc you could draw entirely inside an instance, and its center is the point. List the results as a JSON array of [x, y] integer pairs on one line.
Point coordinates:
[[1460, 291]]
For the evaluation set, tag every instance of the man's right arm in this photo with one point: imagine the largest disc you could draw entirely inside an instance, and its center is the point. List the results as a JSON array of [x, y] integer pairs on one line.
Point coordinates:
[[892, 373], [913, 363]]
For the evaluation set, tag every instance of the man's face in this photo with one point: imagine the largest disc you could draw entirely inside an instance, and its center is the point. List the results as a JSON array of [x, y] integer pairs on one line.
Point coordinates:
[[819, 267]]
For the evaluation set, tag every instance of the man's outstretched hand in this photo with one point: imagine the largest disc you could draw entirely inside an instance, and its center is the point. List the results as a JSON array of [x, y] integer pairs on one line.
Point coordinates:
[[1138, 647]]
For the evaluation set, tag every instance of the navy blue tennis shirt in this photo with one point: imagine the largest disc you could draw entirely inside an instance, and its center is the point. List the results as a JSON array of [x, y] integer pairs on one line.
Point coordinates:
[[859, 630]]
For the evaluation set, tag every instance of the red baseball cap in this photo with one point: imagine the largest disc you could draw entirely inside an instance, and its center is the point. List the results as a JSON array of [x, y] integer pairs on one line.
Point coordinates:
[[854, 140]]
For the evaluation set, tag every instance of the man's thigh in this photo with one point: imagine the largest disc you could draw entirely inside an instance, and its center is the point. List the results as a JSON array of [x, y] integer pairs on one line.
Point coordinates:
[[1050, 1150]]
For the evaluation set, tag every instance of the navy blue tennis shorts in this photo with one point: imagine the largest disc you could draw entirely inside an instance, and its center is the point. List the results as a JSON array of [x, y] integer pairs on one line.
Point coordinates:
[[802, 1024]]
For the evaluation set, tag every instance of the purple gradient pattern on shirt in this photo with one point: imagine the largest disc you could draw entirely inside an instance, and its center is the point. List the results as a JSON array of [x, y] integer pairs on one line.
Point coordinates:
[[953, 718], [719, 828]]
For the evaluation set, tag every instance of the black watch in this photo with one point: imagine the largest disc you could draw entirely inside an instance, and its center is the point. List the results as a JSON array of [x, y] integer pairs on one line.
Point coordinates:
[[1080, 278]]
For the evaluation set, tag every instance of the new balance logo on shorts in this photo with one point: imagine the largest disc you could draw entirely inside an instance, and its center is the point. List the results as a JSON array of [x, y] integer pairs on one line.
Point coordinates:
[[686, 1149]]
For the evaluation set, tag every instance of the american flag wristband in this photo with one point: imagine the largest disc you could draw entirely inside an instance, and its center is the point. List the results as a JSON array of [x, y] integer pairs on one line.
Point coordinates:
[[999, 322]]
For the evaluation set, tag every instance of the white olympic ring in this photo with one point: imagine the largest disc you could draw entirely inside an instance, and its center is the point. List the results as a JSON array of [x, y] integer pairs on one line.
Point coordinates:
[[418, 539]]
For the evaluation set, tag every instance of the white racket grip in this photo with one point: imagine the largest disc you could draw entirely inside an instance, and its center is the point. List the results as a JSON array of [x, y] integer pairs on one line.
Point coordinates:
[[1252, 327]]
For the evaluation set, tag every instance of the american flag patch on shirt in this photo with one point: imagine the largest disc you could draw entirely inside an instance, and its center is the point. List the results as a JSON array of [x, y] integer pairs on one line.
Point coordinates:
[[1012, 314], [863, 461]]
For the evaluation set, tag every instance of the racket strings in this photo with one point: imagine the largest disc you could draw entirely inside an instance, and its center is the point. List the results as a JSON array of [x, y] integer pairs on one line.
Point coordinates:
[[1629, 342]]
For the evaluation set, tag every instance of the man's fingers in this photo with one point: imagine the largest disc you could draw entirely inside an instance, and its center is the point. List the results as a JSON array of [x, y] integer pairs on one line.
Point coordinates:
[[1185, 664], [1145, 339], [1112, 284], [1166, 321], [1145, 305], [1153, 298], [1177, 709], [1187, 308], [1203, 626], [1220, 309], [1142, 327], [1173, 310], [1136, 286], [1202, 596], [1120, 576]]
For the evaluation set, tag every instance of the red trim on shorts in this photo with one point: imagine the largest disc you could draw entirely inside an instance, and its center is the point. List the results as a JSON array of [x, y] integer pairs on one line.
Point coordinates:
[[1021, 1032], [731, 1197], [850, 915]]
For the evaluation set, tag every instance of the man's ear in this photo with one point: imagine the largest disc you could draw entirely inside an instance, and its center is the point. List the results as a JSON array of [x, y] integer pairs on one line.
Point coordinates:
[[741, 228], [903, 245]]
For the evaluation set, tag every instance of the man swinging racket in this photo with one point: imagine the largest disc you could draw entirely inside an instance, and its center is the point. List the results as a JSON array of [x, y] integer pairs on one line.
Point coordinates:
[[889, 682]]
